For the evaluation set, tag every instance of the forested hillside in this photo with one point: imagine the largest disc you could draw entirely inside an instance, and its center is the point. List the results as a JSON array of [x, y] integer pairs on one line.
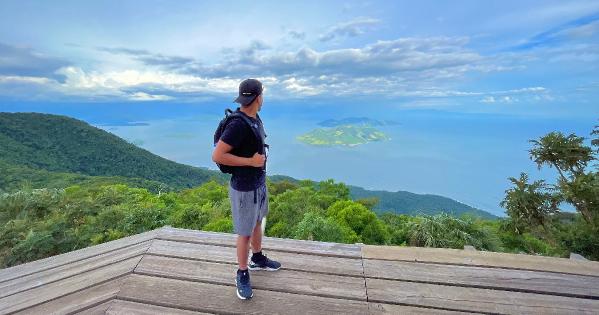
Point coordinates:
[[62, 144], [404, 202]]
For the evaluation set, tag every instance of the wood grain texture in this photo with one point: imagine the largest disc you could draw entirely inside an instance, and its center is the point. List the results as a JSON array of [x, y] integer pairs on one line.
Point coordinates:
[[120, 307], [99, 309], [476, 300], [282, 280], [67, 270], [381, 308], [481, 258], [498, 278], [205, 297], [287, 245], [70, 257], [79, 300], [332, 265], [29, 298]]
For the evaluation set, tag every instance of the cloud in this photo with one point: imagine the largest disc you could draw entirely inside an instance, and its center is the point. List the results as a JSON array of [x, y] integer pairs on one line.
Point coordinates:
[[585, 26], [296, 34], [391, 68], [26, 62], [536, 93], [488, 99], [142, 96], [149, 58], [351, 28], [502, 99], [437, 56]]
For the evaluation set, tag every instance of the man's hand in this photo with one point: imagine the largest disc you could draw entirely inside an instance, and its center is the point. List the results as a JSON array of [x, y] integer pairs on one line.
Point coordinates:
[[258, 160]]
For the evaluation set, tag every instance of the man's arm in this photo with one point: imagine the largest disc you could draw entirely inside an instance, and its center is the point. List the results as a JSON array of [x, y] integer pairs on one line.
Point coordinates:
[[221, 155]]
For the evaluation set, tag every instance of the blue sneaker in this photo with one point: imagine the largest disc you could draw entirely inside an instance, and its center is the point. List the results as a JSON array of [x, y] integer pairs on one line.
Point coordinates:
[[261, 262], [244, 288]]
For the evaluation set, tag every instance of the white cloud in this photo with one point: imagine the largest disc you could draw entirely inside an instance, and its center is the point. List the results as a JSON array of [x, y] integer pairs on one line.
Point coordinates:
[[351, 28], [300, 87], [141, 96], [488, 99], [24, 79], [78, 79]]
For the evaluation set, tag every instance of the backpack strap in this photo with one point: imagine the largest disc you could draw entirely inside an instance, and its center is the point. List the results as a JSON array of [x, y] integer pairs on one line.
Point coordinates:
[[251, 125]]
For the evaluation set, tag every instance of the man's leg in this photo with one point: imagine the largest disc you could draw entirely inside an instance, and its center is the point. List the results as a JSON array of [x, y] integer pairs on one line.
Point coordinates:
[[256, 239], [243, 246]]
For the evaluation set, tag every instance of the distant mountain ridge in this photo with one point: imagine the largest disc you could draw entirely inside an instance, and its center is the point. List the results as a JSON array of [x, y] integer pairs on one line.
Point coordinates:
[[54, 150], [356, 120], [404, 202]]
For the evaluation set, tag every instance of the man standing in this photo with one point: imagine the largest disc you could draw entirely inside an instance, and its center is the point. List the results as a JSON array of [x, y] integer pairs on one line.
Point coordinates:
[[239, 147]]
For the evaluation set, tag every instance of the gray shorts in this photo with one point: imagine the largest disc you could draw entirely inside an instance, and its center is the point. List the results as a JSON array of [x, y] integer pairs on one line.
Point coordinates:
[[245, 212]]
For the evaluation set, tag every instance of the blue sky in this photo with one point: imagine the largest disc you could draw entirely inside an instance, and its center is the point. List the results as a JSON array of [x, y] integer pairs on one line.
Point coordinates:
[[511, 57]]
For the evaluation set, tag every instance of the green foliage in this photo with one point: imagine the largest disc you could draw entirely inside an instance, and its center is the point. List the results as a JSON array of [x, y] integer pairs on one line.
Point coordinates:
[[41, 223], [30, 204], [563, 153], [580, 237], [316, 227], [570, 157], [220, 225], [275, 188], [62, 144], [398, 226], [443, 230], [360, 220], [529, 205], [595, 141], [288, 209], [369, 202]]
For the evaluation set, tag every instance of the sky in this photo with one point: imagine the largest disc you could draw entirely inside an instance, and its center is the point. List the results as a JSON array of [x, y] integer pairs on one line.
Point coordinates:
[[526, 58]]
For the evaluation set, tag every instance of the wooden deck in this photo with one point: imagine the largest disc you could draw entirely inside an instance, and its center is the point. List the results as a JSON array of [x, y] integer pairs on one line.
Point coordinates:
[[178, 271]]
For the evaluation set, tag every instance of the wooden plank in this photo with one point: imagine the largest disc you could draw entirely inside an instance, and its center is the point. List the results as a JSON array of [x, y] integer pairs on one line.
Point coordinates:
[[287, 245], [281, 280], [133, 308], [481, 258], [290, 261], [69, 257], [64, 271], [497, 278], [474, 299], [99, 309], [205, 297], [29, 298], [79, 300], [381, 308]]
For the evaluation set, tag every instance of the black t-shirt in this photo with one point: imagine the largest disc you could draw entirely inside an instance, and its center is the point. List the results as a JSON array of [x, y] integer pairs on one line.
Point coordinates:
[[238, 134]]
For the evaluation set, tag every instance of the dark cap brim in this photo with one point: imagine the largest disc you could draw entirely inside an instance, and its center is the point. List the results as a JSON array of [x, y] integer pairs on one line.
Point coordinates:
[[244, 100]]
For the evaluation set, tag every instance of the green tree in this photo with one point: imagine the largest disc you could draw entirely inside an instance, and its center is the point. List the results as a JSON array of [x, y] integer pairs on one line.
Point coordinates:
[[529, 204], [316, 227], [359, 219], [444, 230], [570, 157]]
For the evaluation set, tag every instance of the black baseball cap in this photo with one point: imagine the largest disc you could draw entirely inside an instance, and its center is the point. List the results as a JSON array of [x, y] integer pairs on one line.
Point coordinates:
[[249, 89]]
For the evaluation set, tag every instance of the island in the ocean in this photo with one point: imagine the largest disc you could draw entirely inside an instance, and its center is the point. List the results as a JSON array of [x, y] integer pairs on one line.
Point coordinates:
[[344, 135]]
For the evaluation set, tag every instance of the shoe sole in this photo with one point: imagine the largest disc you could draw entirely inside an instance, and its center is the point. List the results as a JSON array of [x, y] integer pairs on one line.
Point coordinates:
[[265, 269]]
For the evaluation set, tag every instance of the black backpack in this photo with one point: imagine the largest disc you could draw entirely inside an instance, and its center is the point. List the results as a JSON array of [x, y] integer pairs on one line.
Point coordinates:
[[221, 127]]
